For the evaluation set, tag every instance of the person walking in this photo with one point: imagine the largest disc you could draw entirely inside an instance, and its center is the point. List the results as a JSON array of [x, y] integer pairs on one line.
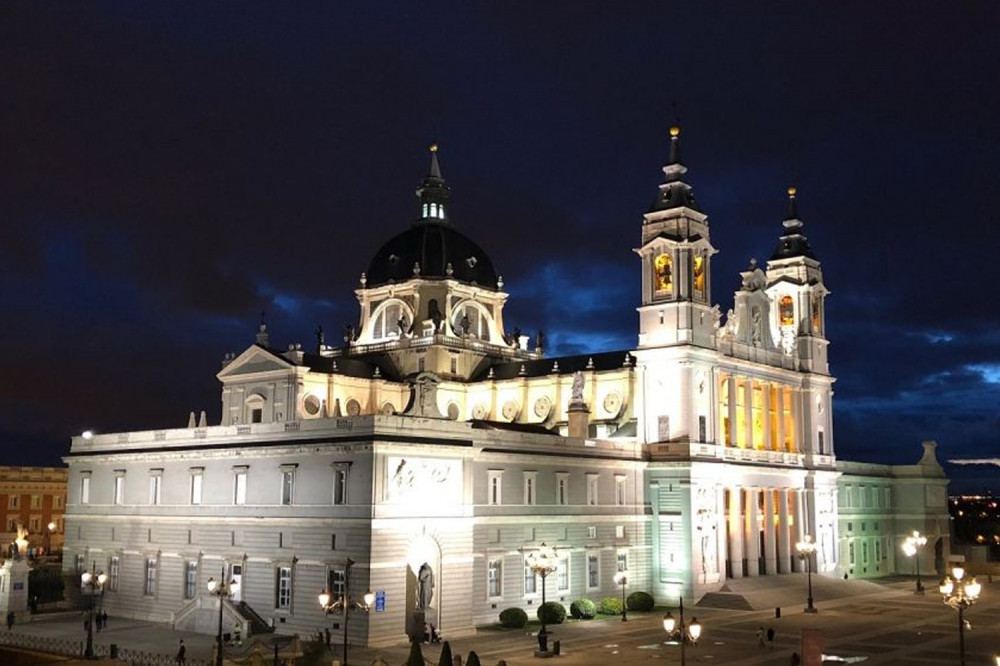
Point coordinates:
[[760, 636], [104, 619], [10, 620], [181, 654], [796, 660], [770, 637]]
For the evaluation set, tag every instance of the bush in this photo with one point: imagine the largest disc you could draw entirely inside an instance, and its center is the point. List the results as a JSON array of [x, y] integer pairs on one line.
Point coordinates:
[[583, 609], [445, 658], [640, 601], [513, 618], [473, 659], [416, 657], [551, 612], [610, 606]]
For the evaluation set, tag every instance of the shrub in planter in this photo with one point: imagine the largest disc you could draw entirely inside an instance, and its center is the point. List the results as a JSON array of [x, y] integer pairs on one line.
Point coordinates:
[[513, 618], [416, 657], [640, 601], [610, 606], [583, 609], [551, 612]]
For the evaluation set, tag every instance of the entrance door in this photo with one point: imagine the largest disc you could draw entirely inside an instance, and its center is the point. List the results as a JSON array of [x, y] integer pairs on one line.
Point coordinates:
[[236, 582]]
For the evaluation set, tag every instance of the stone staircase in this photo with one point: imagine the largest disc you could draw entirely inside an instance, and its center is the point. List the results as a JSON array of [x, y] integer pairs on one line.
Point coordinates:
[[255, 622]]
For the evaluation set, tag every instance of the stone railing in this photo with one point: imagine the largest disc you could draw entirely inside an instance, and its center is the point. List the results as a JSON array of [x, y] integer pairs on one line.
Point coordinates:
[[69, 648]]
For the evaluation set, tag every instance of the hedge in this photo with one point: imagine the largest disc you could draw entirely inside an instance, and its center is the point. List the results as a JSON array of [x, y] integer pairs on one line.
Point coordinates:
[[640, 601], [513, 618], [551, 612], [583, 609], [610, 606]]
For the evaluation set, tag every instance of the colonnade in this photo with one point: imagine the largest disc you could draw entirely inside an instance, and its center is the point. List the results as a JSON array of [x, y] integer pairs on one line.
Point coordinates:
[[762, 527], [757, 414]]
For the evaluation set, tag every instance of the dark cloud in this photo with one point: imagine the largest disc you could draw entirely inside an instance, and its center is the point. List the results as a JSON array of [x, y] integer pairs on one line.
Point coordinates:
[[169, 171]]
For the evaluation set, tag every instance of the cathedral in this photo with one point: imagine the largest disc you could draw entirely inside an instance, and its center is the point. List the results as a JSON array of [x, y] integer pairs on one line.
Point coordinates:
[[429, 456]]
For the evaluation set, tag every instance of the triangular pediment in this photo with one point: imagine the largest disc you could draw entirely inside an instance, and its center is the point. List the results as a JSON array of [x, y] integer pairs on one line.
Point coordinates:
[[255, 360]]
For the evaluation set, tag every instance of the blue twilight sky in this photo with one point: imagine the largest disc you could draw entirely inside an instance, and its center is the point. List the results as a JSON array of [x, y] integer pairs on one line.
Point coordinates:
[[169, 170]]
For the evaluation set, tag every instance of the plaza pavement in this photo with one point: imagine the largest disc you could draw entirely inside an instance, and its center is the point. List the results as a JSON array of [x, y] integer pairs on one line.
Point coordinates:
[[884, 622]]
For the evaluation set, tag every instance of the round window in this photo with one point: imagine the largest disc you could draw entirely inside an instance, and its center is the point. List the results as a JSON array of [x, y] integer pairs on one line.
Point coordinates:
[[353, 407], [311, 404]]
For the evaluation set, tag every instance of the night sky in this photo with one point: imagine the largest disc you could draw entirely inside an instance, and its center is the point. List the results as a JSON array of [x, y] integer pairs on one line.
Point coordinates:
[[169, 170]]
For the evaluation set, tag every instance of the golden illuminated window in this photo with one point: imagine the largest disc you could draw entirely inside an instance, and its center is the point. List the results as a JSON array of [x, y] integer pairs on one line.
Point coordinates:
[[786, 312], [663, 273], [815, 316], [699, 273]]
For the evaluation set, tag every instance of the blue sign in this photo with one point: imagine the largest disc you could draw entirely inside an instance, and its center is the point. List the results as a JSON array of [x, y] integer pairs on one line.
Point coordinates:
[[380, 601]]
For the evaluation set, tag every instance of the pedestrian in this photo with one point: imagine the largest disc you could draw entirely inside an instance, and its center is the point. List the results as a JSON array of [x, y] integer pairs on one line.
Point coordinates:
[[104, 619], [770, 637], [328, 637], [181, 654], [760, 636], [86, 624], [796, 660], [10, 620], [98, 623]]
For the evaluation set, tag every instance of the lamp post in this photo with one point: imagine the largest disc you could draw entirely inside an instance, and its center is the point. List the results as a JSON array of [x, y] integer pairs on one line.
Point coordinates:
[[93, 580], [912, 546], [621, 578], [345, 603], [960, 593], [680, 632], [806, 549], [48, 539], [221, 590], [542, 562]]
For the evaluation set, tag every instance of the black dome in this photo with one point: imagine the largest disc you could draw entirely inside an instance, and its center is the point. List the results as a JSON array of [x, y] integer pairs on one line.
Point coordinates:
[[433, 246]]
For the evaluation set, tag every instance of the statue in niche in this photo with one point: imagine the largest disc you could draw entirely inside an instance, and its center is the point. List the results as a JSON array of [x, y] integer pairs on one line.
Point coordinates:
[[730, 322], [435, 314], [755, 327], [465, 324], [403, 324], [425, 586], [716, 317]]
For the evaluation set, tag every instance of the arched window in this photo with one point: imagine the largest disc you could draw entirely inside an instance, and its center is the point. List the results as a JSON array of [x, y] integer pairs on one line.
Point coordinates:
[[786, 311], [390, 318], [816, 317], [699, 274], [468, 320], [663, 273]]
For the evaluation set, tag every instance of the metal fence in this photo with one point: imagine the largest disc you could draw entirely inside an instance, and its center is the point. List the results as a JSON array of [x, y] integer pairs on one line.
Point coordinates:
[[70, 648]]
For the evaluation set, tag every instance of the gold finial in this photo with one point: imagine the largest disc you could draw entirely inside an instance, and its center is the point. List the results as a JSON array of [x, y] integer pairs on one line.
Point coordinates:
[[792, 191], [434, 147], [675, 131]]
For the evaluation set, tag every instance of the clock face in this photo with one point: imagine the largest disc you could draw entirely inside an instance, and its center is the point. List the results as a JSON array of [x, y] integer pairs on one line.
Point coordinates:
[[510, 410], [612, 403], [542, 407]]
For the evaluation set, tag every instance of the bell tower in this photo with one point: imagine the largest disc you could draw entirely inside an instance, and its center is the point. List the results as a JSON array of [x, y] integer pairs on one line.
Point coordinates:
[[676, 256]]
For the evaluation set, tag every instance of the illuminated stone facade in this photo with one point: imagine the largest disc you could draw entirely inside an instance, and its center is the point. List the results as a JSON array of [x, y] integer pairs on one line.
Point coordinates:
[[432, 435]]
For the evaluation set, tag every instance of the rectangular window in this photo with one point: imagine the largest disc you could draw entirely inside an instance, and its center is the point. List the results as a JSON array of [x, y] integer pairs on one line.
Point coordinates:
[[495, 487], [619, 531], [154, 488], [85, 488], [592, 489], [240, 486], [562, 574], [622, 561], [190, 579], [340, 484], [118, 492], [114, 570], [592, 532], [197, 481], [287, 485], [79, 562], [530, 579], [620, 490], [284, 588], [35, 524], [149, 589], [57, 502], [12, 523], [702, 429], [822, 447], [850, 553], [494, 578], [336, 581], [12, 501], [36, 501], [530, 480], [256, 415], [593, 572], [562, 488]]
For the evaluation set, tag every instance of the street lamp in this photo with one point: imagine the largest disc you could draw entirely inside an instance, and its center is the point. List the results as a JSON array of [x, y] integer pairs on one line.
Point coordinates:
[[542, 562], [223, 591], [48, 539], [621, 578], [806, 549], [345, 603], [912, 546], [680, 632], [960, 593], [93, 580]]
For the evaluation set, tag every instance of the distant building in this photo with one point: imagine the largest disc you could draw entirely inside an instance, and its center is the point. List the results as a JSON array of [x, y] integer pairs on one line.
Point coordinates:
[[433, 443], [35, 498]]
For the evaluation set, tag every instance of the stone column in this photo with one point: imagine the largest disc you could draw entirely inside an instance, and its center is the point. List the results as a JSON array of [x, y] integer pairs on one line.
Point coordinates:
[[736, 529], [780, 409], [766, 417], [751, 533], [798, 431], [784, 541], [770, 554], [748, 412], [732, 411]]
